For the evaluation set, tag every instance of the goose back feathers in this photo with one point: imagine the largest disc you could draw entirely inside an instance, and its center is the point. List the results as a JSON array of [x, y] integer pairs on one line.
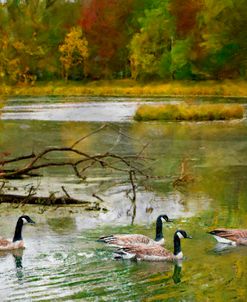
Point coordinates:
[[153, 252], [126, 239], [230, 236]]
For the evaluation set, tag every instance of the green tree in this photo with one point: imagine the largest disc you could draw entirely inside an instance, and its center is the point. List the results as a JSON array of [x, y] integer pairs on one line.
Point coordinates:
[[181, 65], [150, 48], [224, 39]]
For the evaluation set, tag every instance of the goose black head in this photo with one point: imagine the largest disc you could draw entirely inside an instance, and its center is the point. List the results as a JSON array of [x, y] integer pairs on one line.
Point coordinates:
[[159, 234], [166, 218], [22, 220], [182, 234], [26, 219]]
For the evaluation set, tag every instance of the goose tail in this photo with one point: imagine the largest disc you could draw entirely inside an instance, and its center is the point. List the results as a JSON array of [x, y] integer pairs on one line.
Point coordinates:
[[106, 239], [122, 254]]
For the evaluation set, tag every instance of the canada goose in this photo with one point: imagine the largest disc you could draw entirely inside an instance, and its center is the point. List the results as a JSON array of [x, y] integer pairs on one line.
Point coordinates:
[[17, 241], [230, 236], [153, 252], [123, 239]]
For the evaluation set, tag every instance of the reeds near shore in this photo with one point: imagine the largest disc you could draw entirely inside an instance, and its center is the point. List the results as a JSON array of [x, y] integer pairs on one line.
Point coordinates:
[[185, 112], [129, 87]]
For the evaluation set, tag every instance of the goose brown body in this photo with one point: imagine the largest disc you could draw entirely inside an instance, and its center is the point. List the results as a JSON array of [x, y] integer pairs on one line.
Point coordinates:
[[230, 236], [152, 252], [146, 252], [128, 239], [6, 245]]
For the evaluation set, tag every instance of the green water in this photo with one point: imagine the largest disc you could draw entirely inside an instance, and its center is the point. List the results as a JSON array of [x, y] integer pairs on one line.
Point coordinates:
[[64, 262]]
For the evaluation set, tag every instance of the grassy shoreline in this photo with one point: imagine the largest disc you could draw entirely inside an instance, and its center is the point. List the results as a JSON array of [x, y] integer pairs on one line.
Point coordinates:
[[186, 112], [227, 89]]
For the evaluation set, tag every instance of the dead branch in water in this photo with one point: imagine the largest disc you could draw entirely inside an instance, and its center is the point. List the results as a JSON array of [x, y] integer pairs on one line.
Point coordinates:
[[133, 197], [185, 177], [74, 158], [84, 161], [40, 160], [51, 200]]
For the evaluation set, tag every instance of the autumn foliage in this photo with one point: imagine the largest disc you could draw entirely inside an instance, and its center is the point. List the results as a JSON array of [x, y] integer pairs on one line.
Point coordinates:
[[74, 51], [114, 39], [185, 13], [105, 25]]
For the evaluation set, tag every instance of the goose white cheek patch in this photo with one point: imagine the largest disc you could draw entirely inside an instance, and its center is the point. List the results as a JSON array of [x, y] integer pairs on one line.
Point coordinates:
[[24, 220], [180, 235]]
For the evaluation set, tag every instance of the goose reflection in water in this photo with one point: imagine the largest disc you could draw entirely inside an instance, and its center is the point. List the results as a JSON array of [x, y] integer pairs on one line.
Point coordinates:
[[18, 263], [150, 272], [177, 272], [165, 272], [223, 248], [17, 257]]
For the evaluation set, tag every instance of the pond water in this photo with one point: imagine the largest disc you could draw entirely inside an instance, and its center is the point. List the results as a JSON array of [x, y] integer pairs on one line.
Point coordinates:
[[64, 262]]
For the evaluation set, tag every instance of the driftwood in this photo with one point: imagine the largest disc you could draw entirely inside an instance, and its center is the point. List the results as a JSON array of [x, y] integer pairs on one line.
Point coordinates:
[[50, 200], [31, 165]]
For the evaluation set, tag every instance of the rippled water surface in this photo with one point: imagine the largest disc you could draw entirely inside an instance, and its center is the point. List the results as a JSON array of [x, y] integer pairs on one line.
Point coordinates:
[[63, 260]]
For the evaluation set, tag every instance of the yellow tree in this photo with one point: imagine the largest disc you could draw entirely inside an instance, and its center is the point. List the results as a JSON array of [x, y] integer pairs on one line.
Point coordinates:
[[74, 51]]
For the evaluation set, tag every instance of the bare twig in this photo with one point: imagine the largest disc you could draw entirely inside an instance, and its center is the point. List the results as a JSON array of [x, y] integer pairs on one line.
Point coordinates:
[[2, 186], [131, 176], [133, 198], [90, 134], [66, 193], [144, 147], [96, 196]]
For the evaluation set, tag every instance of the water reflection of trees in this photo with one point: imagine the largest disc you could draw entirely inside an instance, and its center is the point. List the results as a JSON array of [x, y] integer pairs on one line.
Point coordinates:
[[216, 157], [62, 224]]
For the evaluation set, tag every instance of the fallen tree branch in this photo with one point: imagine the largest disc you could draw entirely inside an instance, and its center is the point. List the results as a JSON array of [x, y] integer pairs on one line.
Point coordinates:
[[79, 162], [98, 158], [21, 200], [3, 162]]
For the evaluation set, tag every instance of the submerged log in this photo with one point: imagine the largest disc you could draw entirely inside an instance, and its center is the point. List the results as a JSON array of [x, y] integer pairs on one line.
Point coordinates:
[[50, 200]]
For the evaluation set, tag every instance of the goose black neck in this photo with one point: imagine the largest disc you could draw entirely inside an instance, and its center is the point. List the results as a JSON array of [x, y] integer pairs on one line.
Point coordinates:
[[177, 244], [159, 234], [18, 230]]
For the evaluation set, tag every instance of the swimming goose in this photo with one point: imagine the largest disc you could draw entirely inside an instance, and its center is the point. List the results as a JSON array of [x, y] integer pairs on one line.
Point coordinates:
[[153, 252], [230, 236], [17, 241], [123, 239]]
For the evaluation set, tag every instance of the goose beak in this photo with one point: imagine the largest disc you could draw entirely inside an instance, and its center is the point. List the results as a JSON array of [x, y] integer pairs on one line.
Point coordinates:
[[31, 221], [189, 237], [170, 220]]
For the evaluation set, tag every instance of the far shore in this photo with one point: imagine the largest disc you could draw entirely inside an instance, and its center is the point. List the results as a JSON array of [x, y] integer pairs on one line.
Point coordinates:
[[224, 89]]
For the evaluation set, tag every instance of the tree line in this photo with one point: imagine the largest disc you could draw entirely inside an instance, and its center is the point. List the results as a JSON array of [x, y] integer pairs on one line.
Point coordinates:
[[114, 39]]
